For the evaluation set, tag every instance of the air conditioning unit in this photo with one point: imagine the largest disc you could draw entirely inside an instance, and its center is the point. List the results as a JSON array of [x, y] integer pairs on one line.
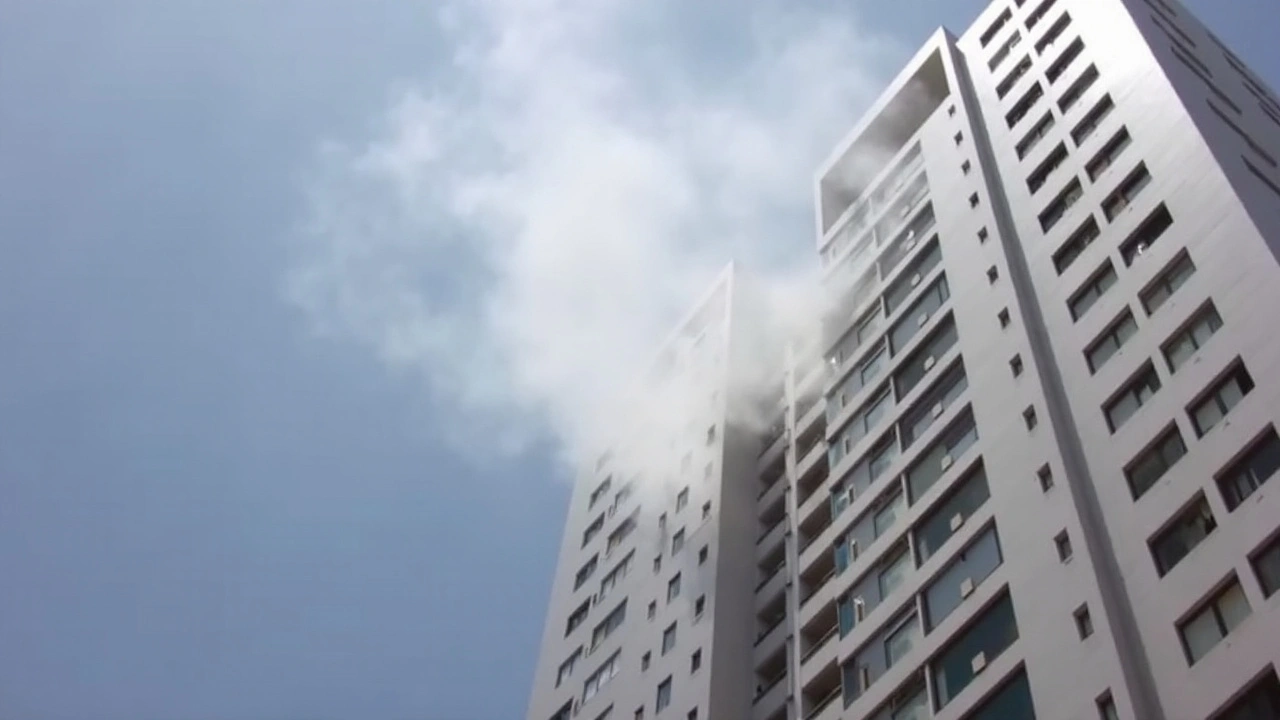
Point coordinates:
[[859, 609], [915, 279], [924, 318], [864, 678], [966, 588], [956, 521], [853, 553], [937, 407], [946, 462], [979, 662], [929, 362]]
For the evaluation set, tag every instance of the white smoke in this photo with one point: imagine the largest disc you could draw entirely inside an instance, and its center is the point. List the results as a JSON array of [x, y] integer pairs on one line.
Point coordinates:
[[524, 227]]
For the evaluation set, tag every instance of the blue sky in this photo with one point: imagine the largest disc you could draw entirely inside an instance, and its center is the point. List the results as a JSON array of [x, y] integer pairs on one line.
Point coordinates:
[[302, 305]]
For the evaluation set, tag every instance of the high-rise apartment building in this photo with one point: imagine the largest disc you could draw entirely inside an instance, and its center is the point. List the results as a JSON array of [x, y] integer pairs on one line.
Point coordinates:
[[1030, 469]]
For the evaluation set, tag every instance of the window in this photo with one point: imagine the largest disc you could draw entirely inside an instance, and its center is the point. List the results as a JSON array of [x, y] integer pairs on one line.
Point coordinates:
[[711, 434], [668, 638], [601, 677], [1015, 365], [699, 605], [608, 713], [1004, 50], [664, 695], [965, 167], [1251, 471], [1068, 56], [1020, 110], [1029, 418], [998, 23], [1075, 245], [1107, 708], [1093, 289], [1196, 67], [1045, 476], [619, 571], [919, 313], [677, 541], [1011, 702], [973, 200], [959, 138], [1187, 530], [1224, 395], [706, 510], [1193, 335], [673, 588], [1092, 119], [993, 274], [901, 640], [577, 617], [1003, 317], [599, 492], [1056, 157], [662, 521], [592, 530], [1078, 88], [1035, 134], [564, 713], [1266, 564], [956, 582], [982, 235], [653, 609], [887, 511], [931, 405], [910, 278], [1084, 622], [618, 535], [585, 572], [639, 713], [1167, 283], [918, 364], [1053, 33], [1255, 147], [1062, 543], [1111, 340], [566, 667], [967, 655], [1260, 702], [1035, 16], [1153, 462], [1011, 79], [1136, 392], [682, 499], [1214, 621], [612, 622], [1066, 198], [1121, 197], [1257, 174], [1109, 152], [657, 565], [702, 555], [935, 461], [645, 660], [695, 660], [893, 571]]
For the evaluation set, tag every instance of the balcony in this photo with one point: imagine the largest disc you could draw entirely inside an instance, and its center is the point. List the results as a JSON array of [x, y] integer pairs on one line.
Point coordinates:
[[773, 457], [771, 638], [772, 492], [815, 517], [821, 694], [818, 634], [814, 577], [770, 543], [769, 589], [771, 695]]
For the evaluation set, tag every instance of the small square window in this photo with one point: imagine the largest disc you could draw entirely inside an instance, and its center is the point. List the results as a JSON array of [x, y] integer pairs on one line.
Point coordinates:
[[1084, 623], [965, 167], [973, 200], [1107, 708], [1029, 417], [677, 541], [703, 552], [706, 510], [664, 695], [959, 138], [639, 713], [993, 274], [653, 608], [982, 234], [1003, 316], [668, 639], [951, 111], [662, 521], [644, 661], [693, 714], [682, 499], [1015, 364], [699, 605], [1063, 543], [657, 565], [711, 434], [673, 588], [1045, 476], [695, 661]]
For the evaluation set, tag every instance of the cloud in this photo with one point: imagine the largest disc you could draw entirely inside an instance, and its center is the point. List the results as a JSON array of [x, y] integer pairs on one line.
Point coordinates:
[[522, 228]]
